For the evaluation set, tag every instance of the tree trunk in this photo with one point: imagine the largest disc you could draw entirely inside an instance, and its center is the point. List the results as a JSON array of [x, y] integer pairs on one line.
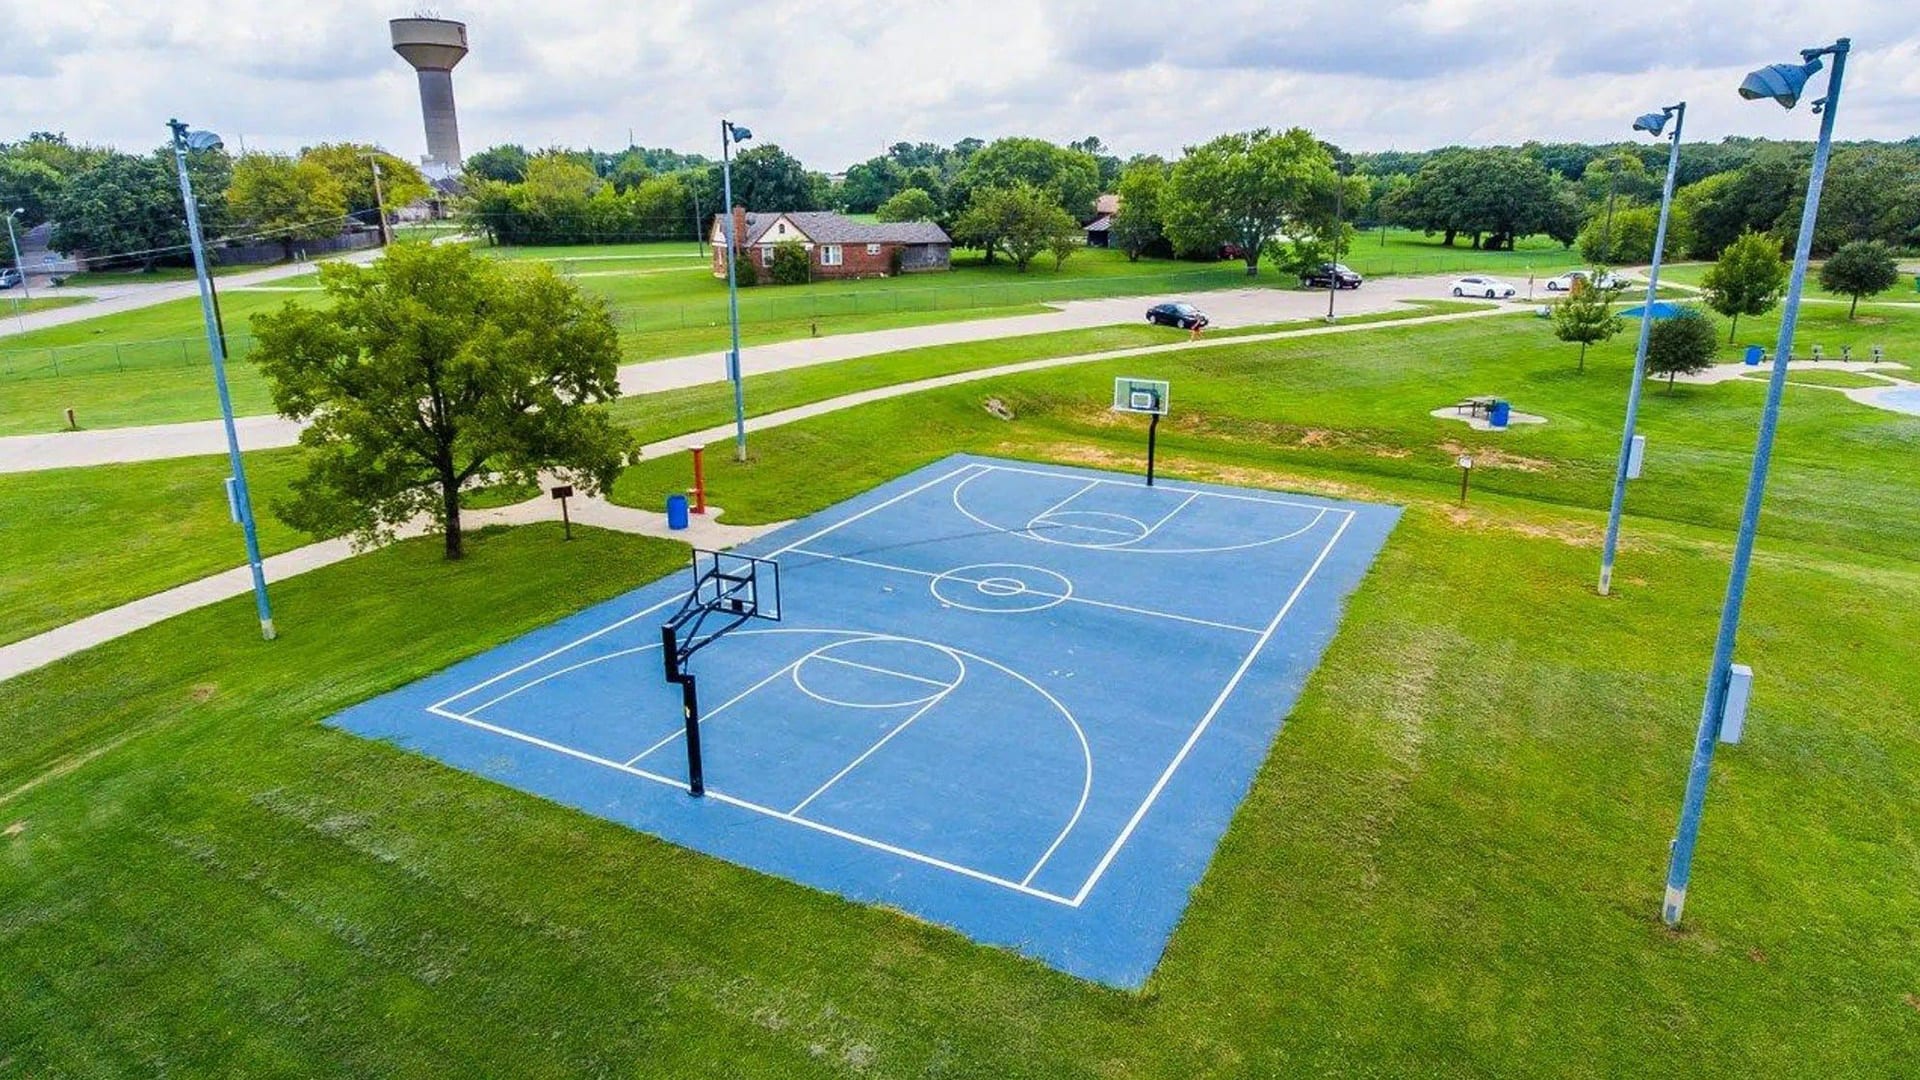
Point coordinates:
[[1734, 328], [1853, 307], [450, 500], [1448, 241]]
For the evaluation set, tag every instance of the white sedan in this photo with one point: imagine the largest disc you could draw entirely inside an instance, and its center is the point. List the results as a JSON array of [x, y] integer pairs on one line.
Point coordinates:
[[1491, 288], [1566, 282]]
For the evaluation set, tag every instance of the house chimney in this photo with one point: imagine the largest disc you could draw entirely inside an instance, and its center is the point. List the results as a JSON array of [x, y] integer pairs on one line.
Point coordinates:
[[739, 226]]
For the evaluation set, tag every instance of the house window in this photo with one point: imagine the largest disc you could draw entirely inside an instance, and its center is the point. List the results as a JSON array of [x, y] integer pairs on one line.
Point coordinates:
[[830, 255], [781, 228], [766, 256], [873, 249]]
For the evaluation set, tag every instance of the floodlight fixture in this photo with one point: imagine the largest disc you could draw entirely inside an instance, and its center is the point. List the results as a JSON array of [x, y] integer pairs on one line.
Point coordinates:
[[1782, 82], [737, 133], [1652, 123]]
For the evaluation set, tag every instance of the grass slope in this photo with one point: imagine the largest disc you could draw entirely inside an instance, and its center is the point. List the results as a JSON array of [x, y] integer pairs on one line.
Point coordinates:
[[1449, 865]]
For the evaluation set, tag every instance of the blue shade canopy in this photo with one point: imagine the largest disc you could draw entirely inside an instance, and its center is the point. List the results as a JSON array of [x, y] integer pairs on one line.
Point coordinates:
[[1781, 82], [1661, 310]]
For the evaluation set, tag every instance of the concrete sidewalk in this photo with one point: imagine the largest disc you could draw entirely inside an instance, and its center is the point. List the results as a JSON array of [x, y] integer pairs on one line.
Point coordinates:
[[1228, 309], [34, 652]]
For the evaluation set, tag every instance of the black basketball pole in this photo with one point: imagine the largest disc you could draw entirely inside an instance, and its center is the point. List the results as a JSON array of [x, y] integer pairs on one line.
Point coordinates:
[[1153, 427], [689, 705]]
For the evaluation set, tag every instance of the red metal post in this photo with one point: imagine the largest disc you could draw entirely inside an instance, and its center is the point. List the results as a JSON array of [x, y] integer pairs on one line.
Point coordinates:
[[699, 480]]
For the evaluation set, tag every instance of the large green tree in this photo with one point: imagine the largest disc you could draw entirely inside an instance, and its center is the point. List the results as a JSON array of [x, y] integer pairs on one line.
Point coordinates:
[[430, 368], [1137, 226], [1747, 279], [1021, 220], [1494, 195], [910, 204], [869, 184], [125, 210], [30, 186], [1069, 178], [767, 178], [275, 197], [1246, 188], [351, 166], [1861, 268], [1684, 344]]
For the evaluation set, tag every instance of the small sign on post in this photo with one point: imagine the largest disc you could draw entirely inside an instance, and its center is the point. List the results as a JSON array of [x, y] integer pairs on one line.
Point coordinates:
[[1147, 396], [563, 492], [1466, 469]]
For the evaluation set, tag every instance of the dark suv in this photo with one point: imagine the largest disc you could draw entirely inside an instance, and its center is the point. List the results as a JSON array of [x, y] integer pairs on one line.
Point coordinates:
[[1330, 274]]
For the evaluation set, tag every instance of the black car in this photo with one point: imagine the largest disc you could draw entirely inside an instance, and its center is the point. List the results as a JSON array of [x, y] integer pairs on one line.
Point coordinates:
[[1330, 274], [1180, 314]]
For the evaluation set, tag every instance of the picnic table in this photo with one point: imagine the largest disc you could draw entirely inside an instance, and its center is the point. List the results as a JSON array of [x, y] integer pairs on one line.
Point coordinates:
[[1475, 406]]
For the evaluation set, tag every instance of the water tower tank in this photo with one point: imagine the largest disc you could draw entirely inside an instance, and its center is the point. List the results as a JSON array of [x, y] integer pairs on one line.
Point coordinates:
[[433, 47]]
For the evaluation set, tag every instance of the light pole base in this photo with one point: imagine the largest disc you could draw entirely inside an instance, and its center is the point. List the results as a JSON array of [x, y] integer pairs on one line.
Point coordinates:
[[1606, 579], [266, 630], [1670, 910]]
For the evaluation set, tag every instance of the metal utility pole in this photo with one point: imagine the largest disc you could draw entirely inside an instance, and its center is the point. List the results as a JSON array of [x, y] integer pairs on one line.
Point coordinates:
[[1652, 123], [13, 239], [1339, 233], [379, 200], [183, 140], [731, 133], [1783, 83]]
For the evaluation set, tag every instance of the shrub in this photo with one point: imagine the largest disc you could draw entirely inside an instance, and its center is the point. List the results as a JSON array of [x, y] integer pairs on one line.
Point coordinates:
[[791, 266]]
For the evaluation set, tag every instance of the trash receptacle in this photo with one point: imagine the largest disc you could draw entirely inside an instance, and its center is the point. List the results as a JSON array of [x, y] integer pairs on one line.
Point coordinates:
[[1755, 354], [676, 511], [1498, 413]]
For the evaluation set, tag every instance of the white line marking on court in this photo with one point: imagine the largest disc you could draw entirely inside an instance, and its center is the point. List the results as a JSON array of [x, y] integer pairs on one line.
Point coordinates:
[[1028, 532], [1042, 515], [1168, 516], [1162, 487], [884, 739], [943, 477], [582, 640], [730, 800], [708, 714], [1200, 728], [883, 671], [951, 576]]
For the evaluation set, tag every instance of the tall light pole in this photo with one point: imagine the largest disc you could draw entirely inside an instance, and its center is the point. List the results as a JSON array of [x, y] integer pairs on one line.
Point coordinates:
[[1651, 123], [18, 268], [1782, 83], [731, 133], [184, 140]]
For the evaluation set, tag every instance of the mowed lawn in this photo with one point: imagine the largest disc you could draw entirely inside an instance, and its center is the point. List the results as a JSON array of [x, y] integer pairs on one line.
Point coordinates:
[[150, 366], [1450, 864]]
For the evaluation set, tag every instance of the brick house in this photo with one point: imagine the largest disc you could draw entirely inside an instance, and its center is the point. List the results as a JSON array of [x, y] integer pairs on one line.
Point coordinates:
[[836, 246]]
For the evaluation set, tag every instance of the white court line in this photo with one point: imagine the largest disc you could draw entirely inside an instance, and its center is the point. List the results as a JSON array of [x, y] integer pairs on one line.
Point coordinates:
[[1055, 508], [582, 640], [708, 714], [1162, 487], [817, 534], [884, 671], [1168, 516], [730, 800], [884, 740], [1086, 528], [1076, 599], [1200, 728]]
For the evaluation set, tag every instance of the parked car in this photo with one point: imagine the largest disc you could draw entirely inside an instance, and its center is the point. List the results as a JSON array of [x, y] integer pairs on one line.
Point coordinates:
[[1330, 274], [1177, 313], [9, 278], [1566, 282], [1491, 288]]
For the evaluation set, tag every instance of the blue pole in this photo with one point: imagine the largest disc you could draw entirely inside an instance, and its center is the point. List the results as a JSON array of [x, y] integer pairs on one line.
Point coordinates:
[[243, 505], [1640, 358], [1713, 709], [733, 297]]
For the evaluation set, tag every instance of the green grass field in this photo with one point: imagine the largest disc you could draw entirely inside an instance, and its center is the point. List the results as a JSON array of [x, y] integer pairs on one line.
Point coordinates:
[[1450, 864], [84, 540], [665, 301], [13, 305], [1902, 292]]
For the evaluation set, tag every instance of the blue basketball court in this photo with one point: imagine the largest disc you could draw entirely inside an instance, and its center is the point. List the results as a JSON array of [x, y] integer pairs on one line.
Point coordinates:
[[1019, 700]]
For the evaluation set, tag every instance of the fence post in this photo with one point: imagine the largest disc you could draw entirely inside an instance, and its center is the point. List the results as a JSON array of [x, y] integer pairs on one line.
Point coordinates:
[[119, 362], [185, 360], [54, 360]]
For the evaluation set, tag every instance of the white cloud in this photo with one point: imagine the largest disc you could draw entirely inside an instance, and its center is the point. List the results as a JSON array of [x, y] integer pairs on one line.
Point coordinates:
[[835, 81]]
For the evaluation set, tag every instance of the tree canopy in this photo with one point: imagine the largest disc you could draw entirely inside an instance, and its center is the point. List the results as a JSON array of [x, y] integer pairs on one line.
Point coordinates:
[[1494, 195], [1585, 316], [430, 368], [910, 204], [1068, 178], [1684, 344], [1861, 268], [351, 166], [1136, 227], [278, 198], [1245, 189], [1021, 220], [1747, 279]]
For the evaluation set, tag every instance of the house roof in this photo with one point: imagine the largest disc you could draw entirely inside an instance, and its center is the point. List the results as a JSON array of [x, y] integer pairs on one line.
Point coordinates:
[[1101, 223], [827, 227]]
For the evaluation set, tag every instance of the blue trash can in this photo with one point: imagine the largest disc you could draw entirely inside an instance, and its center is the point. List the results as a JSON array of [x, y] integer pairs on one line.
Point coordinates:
[[1755, 354], [676, 511], [1498, 413]]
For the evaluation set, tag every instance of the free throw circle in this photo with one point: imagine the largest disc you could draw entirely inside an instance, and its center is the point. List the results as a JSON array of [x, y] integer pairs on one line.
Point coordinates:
[[1001, 588]]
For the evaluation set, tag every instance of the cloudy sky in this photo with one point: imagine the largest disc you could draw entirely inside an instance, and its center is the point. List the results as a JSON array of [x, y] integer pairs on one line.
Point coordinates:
[[835, 81]]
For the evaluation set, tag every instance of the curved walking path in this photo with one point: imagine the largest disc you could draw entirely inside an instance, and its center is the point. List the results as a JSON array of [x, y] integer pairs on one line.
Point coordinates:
[[30, 653], [1228, 309]]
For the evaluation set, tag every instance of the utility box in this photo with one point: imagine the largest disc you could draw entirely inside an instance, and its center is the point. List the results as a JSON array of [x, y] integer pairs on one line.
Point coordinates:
[[233, 502], [1739, 690], [1636, 455]]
